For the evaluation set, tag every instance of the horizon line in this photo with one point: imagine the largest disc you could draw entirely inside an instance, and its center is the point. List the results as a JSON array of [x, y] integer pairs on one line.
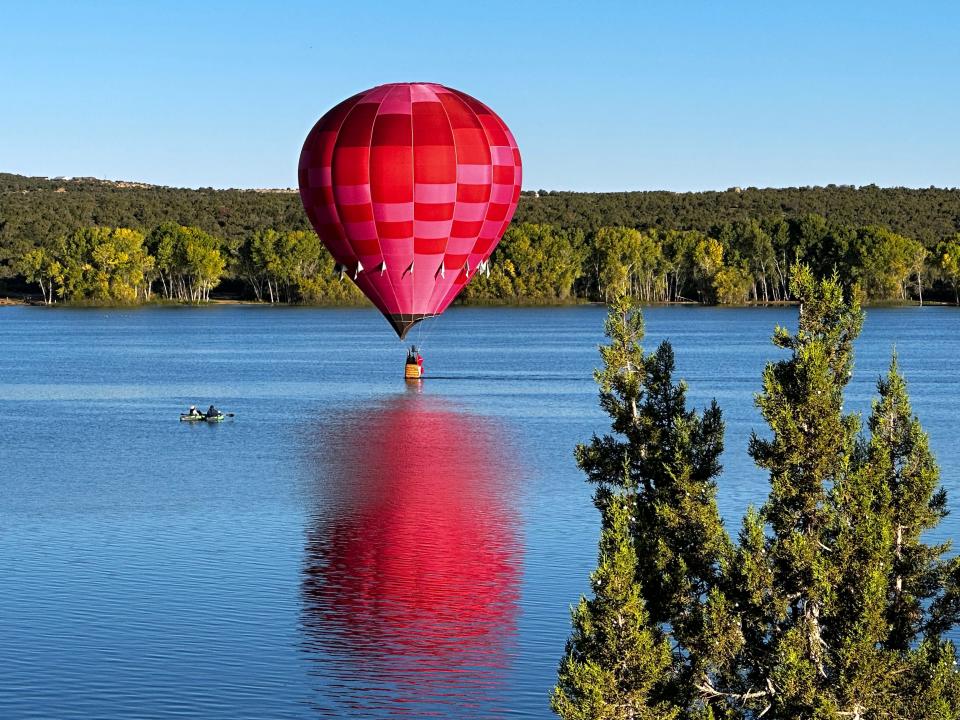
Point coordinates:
[[526, 191]]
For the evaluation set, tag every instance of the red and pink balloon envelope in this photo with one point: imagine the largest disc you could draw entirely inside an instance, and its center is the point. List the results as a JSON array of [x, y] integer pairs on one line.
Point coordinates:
[[410, 186]]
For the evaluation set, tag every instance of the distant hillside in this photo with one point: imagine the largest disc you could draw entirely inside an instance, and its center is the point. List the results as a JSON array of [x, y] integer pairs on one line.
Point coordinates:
[[34, 209], [929, 215], [830, 228]]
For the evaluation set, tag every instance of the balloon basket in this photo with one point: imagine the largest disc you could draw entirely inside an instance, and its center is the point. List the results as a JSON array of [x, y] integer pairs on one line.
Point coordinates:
[[412, 371]]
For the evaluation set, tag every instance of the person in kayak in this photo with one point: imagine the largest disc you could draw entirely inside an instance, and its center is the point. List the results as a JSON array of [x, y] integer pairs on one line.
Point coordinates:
[[212, 411], [194, 412]]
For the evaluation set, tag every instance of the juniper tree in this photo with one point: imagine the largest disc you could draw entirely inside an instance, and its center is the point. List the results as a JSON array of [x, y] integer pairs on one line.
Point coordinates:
[[617, 664], [668, 456], [832, 578], [899, 457], [921, 585], [890, 607], [833, 604], [811, 446]]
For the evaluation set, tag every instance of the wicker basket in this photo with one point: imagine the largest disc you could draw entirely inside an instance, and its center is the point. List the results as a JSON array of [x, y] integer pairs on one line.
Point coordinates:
[[412, 371]]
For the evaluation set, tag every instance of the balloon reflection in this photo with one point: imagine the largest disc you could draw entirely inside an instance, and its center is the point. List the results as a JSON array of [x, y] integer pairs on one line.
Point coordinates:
[[411, 576]]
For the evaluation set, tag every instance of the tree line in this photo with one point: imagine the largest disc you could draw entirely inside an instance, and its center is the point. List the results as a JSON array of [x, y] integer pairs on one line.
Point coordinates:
[[181, 263], [830, 603], [730, 247], [35, 209], [734, 263]]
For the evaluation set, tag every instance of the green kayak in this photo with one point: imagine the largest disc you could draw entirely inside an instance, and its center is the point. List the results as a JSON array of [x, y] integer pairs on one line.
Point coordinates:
[[184, 417]]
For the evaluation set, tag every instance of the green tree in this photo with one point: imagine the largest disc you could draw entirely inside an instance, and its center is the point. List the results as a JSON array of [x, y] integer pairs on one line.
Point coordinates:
[[833, 593], [731, 285], [246, 266], [948, 261], [100, 264], [630, 262], [755, 247], [203, 263], [532, 264], [189, 261], [299, 253], [811, 445], [327, 287], [827, 227], [39, 266], [678, 256], [886, 260], [616, 664], [831, 605], [266, 256], [827, 247], [898, 457], [121, 265], [778, 230], [666, 458], [708, 261], [164, 243]]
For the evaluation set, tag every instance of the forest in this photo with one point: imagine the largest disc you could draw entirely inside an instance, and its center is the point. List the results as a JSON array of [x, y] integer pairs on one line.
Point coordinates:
[[85, 240]]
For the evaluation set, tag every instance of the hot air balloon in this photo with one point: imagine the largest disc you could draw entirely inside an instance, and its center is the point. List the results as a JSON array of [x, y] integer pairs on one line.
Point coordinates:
[[410, 186]]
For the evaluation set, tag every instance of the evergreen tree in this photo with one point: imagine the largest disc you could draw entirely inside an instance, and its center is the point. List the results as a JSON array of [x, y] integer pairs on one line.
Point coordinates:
[[810, 449], [669, 457], [833, 592], [899, 456], [616, 663], [832, 605]]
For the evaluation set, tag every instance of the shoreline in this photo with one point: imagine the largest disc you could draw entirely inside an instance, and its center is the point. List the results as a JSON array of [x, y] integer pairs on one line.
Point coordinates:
[[26, 302]]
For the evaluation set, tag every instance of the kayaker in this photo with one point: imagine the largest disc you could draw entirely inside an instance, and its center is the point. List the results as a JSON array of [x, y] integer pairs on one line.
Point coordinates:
[[212, 412], [193, 412]]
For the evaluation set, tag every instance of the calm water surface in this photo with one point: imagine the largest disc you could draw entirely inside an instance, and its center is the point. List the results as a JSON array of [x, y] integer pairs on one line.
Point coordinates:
[[346, 546]]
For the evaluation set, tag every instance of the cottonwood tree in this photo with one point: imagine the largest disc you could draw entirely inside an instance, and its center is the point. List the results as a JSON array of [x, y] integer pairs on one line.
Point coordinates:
[[39, 266], [189, 261], [948, 262], [99, 264]]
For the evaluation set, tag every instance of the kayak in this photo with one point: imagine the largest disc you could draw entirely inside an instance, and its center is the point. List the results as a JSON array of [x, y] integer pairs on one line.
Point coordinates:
[[184, 417]]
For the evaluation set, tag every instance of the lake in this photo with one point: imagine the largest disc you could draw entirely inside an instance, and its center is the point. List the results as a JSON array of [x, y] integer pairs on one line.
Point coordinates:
[[347, 545]]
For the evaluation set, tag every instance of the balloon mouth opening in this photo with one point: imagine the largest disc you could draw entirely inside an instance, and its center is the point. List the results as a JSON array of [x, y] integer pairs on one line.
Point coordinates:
[[401, 323]]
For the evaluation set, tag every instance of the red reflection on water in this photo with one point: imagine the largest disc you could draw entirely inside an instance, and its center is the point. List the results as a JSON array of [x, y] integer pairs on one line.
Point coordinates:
[[412, 565]]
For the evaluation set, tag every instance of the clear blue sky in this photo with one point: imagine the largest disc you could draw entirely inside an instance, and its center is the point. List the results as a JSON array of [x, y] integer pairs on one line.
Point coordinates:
[[658, 95]]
